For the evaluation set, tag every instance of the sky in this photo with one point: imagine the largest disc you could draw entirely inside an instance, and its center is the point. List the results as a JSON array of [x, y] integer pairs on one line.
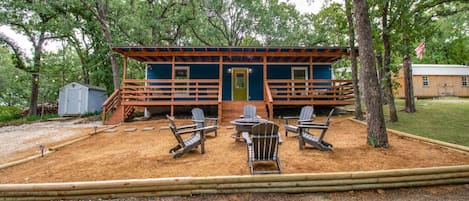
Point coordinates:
[[301, 5]]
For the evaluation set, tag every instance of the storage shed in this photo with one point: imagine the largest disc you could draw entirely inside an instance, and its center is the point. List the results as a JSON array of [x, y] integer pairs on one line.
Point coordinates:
[[76, 99]]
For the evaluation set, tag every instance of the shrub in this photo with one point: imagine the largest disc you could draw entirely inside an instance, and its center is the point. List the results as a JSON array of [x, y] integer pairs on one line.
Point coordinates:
[[8, 113]]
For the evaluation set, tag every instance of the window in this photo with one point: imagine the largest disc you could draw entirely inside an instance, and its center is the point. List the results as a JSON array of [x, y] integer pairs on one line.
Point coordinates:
[[425, 80], [181, 73], [464, 80], [299, 73], [239, 81]]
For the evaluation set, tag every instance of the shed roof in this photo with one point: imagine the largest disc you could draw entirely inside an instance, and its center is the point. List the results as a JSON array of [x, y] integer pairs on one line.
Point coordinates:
[[233, 54], [439, 69], [87, 86]]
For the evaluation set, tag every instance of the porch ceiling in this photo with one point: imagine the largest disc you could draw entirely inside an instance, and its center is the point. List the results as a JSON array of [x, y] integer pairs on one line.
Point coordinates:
[[233, 54]]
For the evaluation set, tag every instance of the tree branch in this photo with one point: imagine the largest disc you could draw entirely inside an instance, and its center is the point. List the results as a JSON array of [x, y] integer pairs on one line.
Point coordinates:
[[18, 54]]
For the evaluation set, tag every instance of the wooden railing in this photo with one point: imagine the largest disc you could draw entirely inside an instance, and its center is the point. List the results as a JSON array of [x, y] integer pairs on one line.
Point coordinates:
[[162, 91], [111, 104], [319, 91], [268, 100]]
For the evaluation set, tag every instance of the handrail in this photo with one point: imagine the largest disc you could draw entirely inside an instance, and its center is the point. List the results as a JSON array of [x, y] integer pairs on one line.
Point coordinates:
[[308, 90], [269, 99], [171, 90], [110, 104]]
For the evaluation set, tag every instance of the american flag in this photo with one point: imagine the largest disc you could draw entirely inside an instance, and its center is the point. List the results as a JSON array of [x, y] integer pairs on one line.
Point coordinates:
[[419, 50]]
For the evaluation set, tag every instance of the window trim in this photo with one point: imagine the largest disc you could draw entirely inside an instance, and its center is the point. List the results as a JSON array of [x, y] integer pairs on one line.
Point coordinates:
[[182, 91], [464, 81], [425, 81]]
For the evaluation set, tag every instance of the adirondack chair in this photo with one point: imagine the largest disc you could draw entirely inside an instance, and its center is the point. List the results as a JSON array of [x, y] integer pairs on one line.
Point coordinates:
[[186, 144], [249, 111], [306, 115], [199, 118], [317, 142], [263, 146]]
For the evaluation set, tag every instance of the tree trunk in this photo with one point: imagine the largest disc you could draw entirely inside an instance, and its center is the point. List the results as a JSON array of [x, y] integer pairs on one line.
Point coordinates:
[[353, 59], [379, 62], [377, 136], [389, 95], [408, 85], [34, 93], [107, 35]]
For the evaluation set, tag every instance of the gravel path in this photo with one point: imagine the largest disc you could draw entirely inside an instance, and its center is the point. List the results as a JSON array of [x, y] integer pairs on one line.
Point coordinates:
[[15, 140]]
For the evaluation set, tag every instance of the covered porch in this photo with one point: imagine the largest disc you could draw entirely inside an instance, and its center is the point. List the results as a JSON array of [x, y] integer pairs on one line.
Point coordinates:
[[212, 76]]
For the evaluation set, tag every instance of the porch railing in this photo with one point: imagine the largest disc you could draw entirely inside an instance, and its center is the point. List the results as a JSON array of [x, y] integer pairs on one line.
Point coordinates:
[[283, 91], [111, 104], [156, 91]]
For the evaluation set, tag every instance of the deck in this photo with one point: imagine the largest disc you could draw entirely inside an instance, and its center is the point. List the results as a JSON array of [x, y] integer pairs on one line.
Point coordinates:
[[167, 92]]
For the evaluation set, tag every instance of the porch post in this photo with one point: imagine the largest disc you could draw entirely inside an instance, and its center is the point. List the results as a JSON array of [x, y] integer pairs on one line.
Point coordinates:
[[173, 76], [220, 89], [124, 73], [310, 67]]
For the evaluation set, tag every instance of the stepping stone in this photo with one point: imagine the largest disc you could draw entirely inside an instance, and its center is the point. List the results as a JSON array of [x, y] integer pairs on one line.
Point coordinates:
[[148, 128], [110, 130], [130, 129], [164, 128]]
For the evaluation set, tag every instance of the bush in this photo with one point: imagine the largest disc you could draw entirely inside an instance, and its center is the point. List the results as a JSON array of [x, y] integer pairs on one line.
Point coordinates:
[[8, 113]]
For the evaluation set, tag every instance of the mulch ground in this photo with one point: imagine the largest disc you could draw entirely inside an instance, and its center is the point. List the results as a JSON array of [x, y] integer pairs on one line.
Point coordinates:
[[144, 154]]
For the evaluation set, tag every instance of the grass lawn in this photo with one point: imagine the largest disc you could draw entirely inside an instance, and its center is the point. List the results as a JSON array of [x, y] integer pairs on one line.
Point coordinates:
[[445, 119]]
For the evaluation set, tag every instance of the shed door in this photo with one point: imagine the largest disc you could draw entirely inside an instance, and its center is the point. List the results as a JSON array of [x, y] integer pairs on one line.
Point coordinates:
[[73, 101]]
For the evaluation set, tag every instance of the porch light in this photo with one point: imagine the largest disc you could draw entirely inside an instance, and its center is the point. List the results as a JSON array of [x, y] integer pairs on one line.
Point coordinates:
[[250, 70], [229, 70]]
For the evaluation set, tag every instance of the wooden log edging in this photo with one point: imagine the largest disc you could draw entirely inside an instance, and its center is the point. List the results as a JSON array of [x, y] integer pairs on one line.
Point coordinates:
[[456, 147], [286, 183], [53, 148]]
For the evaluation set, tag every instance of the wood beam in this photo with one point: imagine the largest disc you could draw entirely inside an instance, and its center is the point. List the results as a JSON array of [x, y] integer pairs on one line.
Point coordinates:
[[310, 67], [124, 73], [173, 76], [277, 54]]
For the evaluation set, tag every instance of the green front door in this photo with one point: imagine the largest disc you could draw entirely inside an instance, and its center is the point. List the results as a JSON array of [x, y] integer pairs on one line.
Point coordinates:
[[240, 83]]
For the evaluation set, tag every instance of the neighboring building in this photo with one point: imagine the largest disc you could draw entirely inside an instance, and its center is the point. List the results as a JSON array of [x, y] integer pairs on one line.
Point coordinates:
[[435, 80], [77, 99], [226, 78]]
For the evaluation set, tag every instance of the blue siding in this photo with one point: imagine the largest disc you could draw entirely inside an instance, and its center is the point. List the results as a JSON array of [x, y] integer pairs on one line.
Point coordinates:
[[159, 71], [197, 71], [202, 71], [322, 71], [256, 89], [226, 83]]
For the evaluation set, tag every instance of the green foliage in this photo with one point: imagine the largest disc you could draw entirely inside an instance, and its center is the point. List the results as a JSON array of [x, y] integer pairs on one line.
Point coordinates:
[[441, 119], [8, 113]]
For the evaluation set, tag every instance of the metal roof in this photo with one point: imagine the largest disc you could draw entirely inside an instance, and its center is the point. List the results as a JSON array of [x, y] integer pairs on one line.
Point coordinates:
[[233, 54], [439, 69]]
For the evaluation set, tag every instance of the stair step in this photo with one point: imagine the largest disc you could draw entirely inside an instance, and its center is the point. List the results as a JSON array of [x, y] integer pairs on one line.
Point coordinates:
[[232, 110]]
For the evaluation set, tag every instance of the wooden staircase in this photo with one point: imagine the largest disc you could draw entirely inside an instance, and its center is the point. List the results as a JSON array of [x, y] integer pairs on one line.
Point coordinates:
[[113, 112], [232, 109]]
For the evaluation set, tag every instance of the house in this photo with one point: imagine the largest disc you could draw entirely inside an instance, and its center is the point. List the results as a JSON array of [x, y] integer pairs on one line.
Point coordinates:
[[226, 78], [77, 99], [436, 80]]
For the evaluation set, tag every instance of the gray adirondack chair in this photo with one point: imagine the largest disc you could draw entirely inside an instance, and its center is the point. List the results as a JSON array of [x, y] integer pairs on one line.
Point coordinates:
[[263, 146], [306, 115], [249, 111], [185, 145], [201, 121], [305, 137]]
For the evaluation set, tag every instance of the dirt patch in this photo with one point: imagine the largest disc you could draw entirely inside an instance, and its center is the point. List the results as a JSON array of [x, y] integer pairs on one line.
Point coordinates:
[[144, 154], [20, 141]]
